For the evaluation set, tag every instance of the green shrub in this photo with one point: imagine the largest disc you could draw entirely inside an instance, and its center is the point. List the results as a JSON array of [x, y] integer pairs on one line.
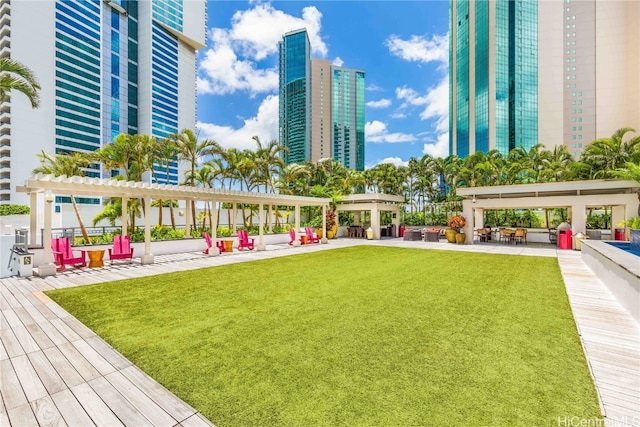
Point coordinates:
[[14, 210]]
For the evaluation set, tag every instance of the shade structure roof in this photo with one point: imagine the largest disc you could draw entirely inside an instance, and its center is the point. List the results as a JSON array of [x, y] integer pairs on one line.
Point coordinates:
[[370, 198], [547, 189], [97, 187]]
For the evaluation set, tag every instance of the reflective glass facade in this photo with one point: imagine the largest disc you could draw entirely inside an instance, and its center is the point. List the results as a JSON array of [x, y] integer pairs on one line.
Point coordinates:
[[347, 104], [513, 34], [295, 96]]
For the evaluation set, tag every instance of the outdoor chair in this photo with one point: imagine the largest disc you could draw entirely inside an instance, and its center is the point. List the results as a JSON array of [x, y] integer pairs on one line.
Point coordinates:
[[244, 241], [520, 236], [432, 235], [209, 242], [64, 255], [292, 236], [482, 234], [121, 249], [311, 236]]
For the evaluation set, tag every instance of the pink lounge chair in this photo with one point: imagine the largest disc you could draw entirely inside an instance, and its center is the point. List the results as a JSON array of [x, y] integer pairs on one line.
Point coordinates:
[[64, 255], [311, 236], [292, 236], [207, 239], [244, 241], [121, 249]]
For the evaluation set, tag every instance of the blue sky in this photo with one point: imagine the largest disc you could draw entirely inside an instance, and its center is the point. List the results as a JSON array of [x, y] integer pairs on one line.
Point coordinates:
[[401, 45]]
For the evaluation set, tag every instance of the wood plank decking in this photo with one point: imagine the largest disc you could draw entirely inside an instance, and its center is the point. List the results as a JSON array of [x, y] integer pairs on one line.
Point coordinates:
[[55, 371]]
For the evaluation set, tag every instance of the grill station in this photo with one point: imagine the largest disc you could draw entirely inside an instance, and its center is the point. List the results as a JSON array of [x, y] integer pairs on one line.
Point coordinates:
[[20, 259]]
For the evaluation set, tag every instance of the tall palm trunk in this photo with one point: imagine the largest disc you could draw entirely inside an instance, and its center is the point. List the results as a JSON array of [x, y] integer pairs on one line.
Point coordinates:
[[83, 229], [173, 218]]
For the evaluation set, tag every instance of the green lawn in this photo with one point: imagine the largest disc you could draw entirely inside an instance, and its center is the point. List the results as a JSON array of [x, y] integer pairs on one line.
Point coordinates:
[[369, 336]]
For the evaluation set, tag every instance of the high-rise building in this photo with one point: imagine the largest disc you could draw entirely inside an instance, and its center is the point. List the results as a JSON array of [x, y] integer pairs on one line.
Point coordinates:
[[550, 72], [321, 106], [295, 96], [493, 75], [105, 68], [347, 116]]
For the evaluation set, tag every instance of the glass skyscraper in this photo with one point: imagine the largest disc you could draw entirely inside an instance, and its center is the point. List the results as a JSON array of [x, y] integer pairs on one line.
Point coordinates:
[[321, 106], [295, 96], [493, 75], [105, 68]]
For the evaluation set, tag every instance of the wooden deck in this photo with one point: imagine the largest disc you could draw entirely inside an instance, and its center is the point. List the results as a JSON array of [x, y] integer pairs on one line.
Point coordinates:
[[55, 371], [610, 338]]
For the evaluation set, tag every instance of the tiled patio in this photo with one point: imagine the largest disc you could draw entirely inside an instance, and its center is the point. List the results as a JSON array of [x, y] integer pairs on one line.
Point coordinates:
[[55, 371]]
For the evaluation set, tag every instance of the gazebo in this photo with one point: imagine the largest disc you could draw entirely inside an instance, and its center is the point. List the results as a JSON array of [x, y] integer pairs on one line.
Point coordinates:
[[49, 185], [374, 203], [577, 196]]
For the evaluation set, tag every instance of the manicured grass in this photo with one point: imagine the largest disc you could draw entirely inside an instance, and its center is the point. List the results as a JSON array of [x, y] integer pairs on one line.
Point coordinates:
[[356, 336]]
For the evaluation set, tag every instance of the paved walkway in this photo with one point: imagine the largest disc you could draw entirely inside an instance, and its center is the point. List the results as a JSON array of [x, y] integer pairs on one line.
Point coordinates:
[[55, 371]]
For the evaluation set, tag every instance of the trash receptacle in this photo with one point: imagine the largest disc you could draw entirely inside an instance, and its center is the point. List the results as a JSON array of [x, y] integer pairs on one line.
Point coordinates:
[[577, 241], [369, 233], [401, 231], [619, 234], [564, 239]]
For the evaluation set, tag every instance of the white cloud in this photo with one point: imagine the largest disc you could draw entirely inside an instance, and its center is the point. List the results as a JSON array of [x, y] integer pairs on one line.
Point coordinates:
[[338, 62], [420, 48], [373, 88], [394, 161], [229, 63], [264, 125], [398, 115], [225, 73], [376, 132], [439, 148], [382, 103]]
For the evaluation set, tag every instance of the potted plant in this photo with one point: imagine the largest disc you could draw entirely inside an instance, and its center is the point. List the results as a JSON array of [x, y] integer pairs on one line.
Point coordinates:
[[633, 230], [456, 223], [332, 225]]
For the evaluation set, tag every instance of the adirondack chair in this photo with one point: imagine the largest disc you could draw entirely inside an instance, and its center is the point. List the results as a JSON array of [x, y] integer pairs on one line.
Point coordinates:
[[64, 255], [292, 236], [311, 236], [244, 241], [121, 248], [207, 239]]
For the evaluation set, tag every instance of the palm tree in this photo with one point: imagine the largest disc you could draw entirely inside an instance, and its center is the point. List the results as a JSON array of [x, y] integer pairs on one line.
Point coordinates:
[[193, 152], [166, 152], [605, 155], [16, 76], [65, 164]]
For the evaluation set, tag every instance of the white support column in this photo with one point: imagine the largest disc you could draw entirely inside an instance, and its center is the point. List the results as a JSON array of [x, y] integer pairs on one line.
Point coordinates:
[[234, 220], [49, 267], [375, 221], [261, 246], [324, 225], [296, 226], [578, 218], [478, 218], [467, 213], [214, 251], [618, 215], [124, 217], [147, 258], [187, 218], [33, 218], [357, 220], [396, 220]]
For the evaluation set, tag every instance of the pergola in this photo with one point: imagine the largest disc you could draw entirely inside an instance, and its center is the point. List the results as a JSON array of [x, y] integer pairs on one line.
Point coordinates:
[[375, 203], [577, 196], [50, 185]]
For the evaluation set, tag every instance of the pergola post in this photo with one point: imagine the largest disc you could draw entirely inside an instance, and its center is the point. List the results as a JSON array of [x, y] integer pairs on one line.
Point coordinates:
[[296, 226], [234, 219], [49, 267], [324, 225], [261, 246], [478, 218], [147, 258], [269, 227], [33, 217], [375, 221], [124, 217], [395, 216], [357, 220], [187, 218], [467, 212], [618, 215], [213, 250], [578, 218]]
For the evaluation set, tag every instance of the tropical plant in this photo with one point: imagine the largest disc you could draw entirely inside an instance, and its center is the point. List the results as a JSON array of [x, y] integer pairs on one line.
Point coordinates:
[[16, 76], [72, 164], [457, 222], [14, 210], [606, 156]]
